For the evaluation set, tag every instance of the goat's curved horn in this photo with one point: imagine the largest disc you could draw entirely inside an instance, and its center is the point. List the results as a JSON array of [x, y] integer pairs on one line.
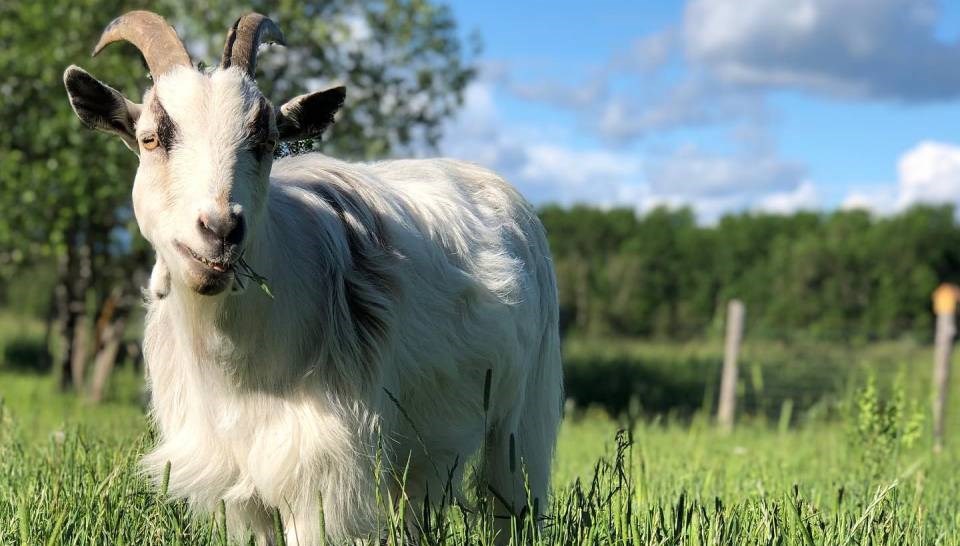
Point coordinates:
[[244, 37], [153, 36]]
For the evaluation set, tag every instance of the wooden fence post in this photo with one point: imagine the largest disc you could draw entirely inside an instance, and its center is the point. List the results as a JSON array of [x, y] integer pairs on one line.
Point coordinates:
[[728, 382], [945, 306]]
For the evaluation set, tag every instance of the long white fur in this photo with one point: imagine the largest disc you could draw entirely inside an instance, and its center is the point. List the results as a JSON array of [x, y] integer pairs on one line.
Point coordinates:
[[403, 280]]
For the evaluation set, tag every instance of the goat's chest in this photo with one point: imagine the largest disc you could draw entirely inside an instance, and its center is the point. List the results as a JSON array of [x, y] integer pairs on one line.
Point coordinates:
[[244, 421], [259, 443]]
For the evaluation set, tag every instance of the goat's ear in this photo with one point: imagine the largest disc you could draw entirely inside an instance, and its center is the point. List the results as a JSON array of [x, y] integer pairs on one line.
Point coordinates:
[[101, 107], [307, 116]]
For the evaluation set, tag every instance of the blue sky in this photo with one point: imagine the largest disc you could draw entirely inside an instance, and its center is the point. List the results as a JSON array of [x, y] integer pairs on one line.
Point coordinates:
[[722, 105]]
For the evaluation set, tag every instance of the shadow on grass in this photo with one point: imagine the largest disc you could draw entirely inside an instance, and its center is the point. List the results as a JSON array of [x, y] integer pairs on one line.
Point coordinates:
[[659, 387], [25, 355], [680, 385]]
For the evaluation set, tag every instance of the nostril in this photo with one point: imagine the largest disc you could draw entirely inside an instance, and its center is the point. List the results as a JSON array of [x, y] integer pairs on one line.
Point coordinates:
[[204, 224], [226, 229], [236, 232]]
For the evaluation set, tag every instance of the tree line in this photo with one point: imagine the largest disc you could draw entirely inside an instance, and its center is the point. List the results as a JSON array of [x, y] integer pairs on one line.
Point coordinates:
[[841, 275]]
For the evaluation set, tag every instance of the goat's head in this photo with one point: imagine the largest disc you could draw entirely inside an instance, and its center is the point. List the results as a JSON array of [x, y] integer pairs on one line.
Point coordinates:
[[205, 141]]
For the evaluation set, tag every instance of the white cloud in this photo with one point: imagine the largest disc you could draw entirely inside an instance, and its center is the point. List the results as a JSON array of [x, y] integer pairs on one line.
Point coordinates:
[[877, 48], [544, 167], [928, 173], [575, 97], [693, 172], [689, 103], [731, 52], [568, 175], [647, 53], [881, 199], [707, 209], [803, 197], [548, 168], [715, 184]]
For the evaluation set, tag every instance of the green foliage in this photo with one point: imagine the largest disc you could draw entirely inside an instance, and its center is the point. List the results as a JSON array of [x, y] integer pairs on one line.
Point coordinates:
[[59, 181], [65, 191], [883, 427], [842, 276]]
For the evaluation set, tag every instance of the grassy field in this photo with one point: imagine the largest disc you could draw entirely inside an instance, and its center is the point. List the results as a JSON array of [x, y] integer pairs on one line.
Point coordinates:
[[832, 447], [68, 475]]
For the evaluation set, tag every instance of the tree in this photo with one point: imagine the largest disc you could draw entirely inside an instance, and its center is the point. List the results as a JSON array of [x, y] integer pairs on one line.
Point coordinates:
[[844, 275], [65, 192]]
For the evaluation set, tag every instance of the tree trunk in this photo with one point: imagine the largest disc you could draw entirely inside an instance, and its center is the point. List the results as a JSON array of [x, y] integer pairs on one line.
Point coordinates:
[[78, 307], [64, 325], [106, 358], [73, 282], [78, 350], [110, 328]]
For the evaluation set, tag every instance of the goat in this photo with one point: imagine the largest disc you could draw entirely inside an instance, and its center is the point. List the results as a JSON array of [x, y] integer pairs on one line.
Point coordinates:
[[413, 317]]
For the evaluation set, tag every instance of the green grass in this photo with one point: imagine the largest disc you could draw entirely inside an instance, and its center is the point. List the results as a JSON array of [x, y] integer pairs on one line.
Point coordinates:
[[68, 475]]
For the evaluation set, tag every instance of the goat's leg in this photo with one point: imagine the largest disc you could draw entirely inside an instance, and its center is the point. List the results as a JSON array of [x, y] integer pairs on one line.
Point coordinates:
[[518, 455]]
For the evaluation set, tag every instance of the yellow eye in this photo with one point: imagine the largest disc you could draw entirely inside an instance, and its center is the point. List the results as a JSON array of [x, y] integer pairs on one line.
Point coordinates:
[[149, 142]]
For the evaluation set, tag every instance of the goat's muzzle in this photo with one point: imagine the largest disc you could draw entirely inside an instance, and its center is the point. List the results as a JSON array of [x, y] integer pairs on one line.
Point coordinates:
[[209, 275]]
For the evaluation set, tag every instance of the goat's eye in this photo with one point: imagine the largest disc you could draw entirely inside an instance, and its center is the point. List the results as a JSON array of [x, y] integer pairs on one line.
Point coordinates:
[[149, 142]]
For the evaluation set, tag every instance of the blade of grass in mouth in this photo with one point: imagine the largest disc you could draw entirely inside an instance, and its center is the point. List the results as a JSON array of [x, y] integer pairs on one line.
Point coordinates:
[[244, 270]]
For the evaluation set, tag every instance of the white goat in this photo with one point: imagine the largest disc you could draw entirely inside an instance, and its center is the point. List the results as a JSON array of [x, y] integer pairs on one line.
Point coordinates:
[[401, 289]]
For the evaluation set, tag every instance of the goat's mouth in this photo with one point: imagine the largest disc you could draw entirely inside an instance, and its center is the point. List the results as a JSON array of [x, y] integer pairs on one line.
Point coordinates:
[[208, 276], [220, 266]]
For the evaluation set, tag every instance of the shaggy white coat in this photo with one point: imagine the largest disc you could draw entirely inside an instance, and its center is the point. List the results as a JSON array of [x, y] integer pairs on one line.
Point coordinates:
[[403, 280]]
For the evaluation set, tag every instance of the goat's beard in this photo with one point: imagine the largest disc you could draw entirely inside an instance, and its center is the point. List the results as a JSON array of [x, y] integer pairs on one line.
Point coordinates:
[[210, 283]]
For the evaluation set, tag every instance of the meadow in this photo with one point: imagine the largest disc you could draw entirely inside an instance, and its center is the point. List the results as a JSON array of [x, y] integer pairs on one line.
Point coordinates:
[[816, 458]]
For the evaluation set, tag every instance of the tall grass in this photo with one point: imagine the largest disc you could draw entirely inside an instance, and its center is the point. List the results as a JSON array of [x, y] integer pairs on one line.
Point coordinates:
[[68, 475]]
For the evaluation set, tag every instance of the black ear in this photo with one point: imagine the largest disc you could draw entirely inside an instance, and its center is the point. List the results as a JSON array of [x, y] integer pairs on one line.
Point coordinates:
[[100, 106], [307, 116]]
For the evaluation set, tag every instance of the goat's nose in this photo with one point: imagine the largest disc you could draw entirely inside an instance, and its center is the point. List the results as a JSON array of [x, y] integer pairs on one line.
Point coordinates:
[[226, 227]]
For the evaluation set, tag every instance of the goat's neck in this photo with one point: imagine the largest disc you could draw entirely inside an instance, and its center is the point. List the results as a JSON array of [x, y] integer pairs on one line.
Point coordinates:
[[234, 320], [247, 333]]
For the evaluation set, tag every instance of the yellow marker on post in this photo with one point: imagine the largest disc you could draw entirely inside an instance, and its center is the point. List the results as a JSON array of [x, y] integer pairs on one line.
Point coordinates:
[[945, 299]]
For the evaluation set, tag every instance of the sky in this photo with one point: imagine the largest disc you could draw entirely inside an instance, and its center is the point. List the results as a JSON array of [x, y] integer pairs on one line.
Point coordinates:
[[720, 105]]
